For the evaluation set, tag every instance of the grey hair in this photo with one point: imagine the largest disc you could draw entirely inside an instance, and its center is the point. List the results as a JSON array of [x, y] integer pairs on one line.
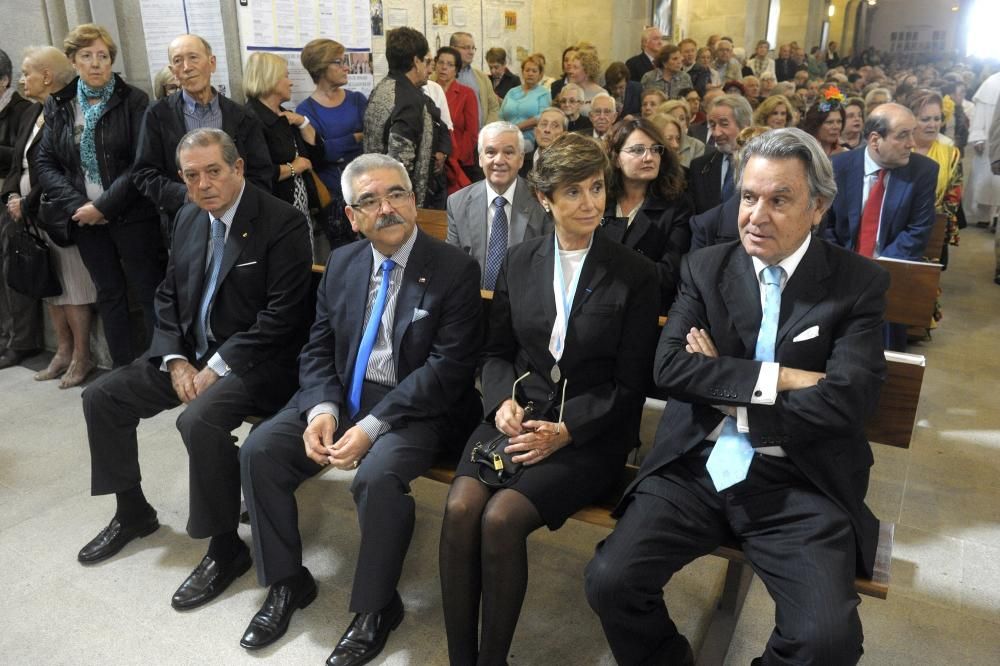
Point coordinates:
[[362, 164], [53, 59], [603, 95], [563, 118], [742, 110], [793, 143], [501, 127], [572, 86], [207, 136]]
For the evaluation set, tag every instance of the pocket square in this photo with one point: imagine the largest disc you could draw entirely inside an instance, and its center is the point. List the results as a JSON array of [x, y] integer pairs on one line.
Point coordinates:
[[808, 334], [419, 314], [249, 263]]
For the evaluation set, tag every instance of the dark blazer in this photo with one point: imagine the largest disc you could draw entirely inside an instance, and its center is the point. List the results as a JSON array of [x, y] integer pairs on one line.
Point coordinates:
[[259, 315], [155, 171], [582, 124], [284, 142], [12, 183], [507, 81], [705, 180], [435, 354], [660, 231], [699, 131], [784, 69], [700, 78], [59, 168], [638, 65], [907, 210], [10, 123], [609, 343], [467, 218], [716, 225], [820, 428], [632, 102]]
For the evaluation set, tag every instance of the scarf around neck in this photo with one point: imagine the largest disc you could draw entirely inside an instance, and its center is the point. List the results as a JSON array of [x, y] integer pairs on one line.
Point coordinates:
[[91, 114]]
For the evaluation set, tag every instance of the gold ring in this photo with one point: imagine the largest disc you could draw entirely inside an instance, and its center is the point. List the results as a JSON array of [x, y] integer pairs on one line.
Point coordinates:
[[355, 464]]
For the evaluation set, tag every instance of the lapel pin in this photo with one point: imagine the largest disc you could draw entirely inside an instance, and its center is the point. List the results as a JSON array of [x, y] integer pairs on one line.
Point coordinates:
[[422, 280], [245, 234]]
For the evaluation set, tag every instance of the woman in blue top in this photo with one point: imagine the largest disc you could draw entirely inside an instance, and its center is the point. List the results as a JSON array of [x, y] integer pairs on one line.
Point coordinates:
[[524, 103], [338, 115]]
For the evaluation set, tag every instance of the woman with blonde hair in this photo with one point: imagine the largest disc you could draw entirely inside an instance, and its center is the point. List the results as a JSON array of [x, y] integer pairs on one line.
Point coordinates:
[[927, 108], [523, 104], [45, 70], [292, 141], [85, 169], [584, 70], [165, 83], [690, 147], [774, 112]]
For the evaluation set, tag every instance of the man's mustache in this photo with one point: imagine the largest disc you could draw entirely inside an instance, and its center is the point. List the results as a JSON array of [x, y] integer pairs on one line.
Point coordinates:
[[385, 221]]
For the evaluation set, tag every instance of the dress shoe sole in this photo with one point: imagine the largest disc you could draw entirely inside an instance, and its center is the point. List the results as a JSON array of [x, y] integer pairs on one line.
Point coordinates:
[[221, 588], [144, 531], [303, 603]]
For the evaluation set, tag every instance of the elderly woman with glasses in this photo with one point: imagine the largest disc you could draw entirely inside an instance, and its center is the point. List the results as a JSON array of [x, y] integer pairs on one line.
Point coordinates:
[[570, 100], [647, 208], [571, 335], [338, 116], [85, 170]]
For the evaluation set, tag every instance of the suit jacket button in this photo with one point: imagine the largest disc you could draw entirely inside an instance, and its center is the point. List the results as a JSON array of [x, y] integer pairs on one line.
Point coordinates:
[[552, 395], [758, 393]]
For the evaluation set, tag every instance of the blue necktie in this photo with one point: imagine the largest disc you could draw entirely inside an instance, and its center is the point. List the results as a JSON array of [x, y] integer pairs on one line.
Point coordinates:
[[728, 185], [368, 340], [497, 248], [730, 458], [218, 246]]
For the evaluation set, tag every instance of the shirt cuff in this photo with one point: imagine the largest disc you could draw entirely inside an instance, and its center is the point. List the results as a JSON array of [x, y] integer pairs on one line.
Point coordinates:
[[373, 427], [765, 392], [330, 408], [167, 358], [218, 366]]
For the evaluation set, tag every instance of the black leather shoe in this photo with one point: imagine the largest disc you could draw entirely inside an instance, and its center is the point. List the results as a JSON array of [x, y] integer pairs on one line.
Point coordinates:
[[208, 580], [365, 638], [113, 538], [271, 621], [11, 357]]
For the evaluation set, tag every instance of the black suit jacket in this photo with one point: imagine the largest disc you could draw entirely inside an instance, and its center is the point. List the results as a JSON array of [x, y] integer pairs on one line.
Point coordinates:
[[284, 142], [705, 180], [10, 124], [700, 78], [155, 170], [12, 183], [638, 65], [436, 338], [609, 343], [784, 69], [716, 225], [259, 315], [660, 231], [821, 428]]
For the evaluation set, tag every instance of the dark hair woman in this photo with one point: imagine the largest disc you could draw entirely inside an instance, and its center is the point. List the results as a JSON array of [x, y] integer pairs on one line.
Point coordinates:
[[648, 209]]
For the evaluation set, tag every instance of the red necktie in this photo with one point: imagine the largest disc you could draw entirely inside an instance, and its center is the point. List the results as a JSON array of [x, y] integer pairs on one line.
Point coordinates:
[[870, 216]]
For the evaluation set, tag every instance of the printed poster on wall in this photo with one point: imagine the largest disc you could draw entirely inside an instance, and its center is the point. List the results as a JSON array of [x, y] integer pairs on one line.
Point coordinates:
[[163, 20]]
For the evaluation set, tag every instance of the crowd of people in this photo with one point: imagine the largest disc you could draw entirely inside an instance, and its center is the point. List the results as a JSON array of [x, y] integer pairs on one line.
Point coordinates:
[[690, 181]]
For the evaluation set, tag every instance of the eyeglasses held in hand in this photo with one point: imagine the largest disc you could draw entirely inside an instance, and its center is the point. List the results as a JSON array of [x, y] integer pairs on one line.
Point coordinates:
[[562, 404]]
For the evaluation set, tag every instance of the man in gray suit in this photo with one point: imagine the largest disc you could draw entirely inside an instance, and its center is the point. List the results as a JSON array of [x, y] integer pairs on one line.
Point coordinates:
[[488, 217]]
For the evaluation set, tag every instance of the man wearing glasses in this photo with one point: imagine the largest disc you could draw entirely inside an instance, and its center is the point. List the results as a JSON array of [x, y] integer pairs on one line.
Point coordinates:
[[489, 103], [386, 384], [603, 113]]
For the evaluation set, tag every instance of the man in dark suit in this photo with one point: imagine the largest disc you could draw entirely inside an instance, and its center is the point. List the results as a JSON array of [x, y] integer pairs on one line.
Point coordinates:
[[385, 402], [772, 358], [711, 176], [650, 42], [230, 317], [488, 217], [716, 225], [784, 66], [900, 223], [700, 76], [196, 104]]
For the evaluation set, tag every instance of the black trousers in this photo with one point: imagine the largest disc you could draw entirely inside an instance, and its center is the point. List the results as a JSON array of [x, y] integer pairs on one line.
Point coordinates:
[[796, 539], [273, 464], [20, 315], [113, 406], [113, 252]]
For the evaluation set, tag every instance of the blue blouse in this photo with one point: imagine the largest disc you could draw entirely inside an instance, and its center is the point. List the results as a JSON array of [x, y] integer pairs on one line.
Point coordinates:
[[336, 125], [520, 105]]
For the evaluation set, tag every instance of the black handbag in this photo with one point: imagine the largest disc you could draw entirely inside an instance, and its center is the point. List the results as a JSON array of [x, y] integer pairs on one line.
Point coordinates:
[[29, 267], [56, 223], [496, 467]]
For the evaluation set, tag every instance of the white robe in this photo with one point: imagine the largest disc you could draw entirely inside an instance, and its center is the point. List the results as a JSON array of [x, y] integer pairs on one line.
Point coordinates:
[[984, 187]]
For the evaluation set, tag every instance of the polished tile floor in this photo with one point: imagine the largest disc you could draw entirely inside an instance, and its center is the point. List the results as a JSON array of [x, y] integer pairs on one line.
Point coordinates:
[[943, 493]]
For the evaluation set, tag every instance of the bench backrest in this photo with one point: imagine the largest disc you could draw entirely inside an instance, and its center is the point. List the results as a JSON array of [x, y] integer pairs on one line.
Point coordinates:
[[913, 290]]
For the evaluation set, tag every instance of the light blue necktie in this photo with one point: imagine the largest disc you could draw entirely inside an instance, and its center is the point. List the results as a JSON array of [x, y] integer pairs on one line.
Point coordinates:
[[730, 458], [368, 340], [218, 246], [497, 248]]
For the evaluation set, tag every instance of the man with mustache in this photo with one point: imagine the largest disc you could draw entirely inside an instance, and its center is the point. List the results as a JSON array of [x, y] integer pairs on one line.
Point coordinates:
[[386, 386], [197, 104]]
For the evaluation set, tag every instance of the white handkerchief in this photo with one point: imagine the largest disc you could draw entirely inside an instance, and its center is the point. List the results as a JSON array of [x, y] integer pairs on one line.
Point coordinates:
[[808, 334], [419, 314], [249, 263]]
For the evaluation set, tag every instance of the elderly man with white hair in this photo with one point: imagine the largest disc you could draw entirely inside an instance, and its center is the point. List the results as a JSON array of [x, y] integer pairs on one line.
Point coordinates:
[[650, 42]]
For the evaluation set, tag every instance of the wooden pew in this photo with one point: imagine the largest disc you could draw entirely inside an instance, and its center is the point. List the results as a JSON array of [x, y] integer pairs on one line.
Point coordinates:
[[935, 244], [434, 223], [913, 289]]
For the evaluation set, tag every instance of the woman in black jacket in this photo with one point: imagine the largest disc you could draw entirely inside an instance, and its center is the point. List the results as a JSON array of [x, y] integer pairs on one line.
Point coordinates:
[[291, 138], [648, 209], [84, 166]]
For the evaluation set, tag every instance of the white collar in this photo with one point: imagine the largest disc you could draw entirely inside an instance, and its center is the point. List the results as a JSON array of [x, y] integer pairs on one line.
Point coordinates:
[[508, 194], [789, 263]]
